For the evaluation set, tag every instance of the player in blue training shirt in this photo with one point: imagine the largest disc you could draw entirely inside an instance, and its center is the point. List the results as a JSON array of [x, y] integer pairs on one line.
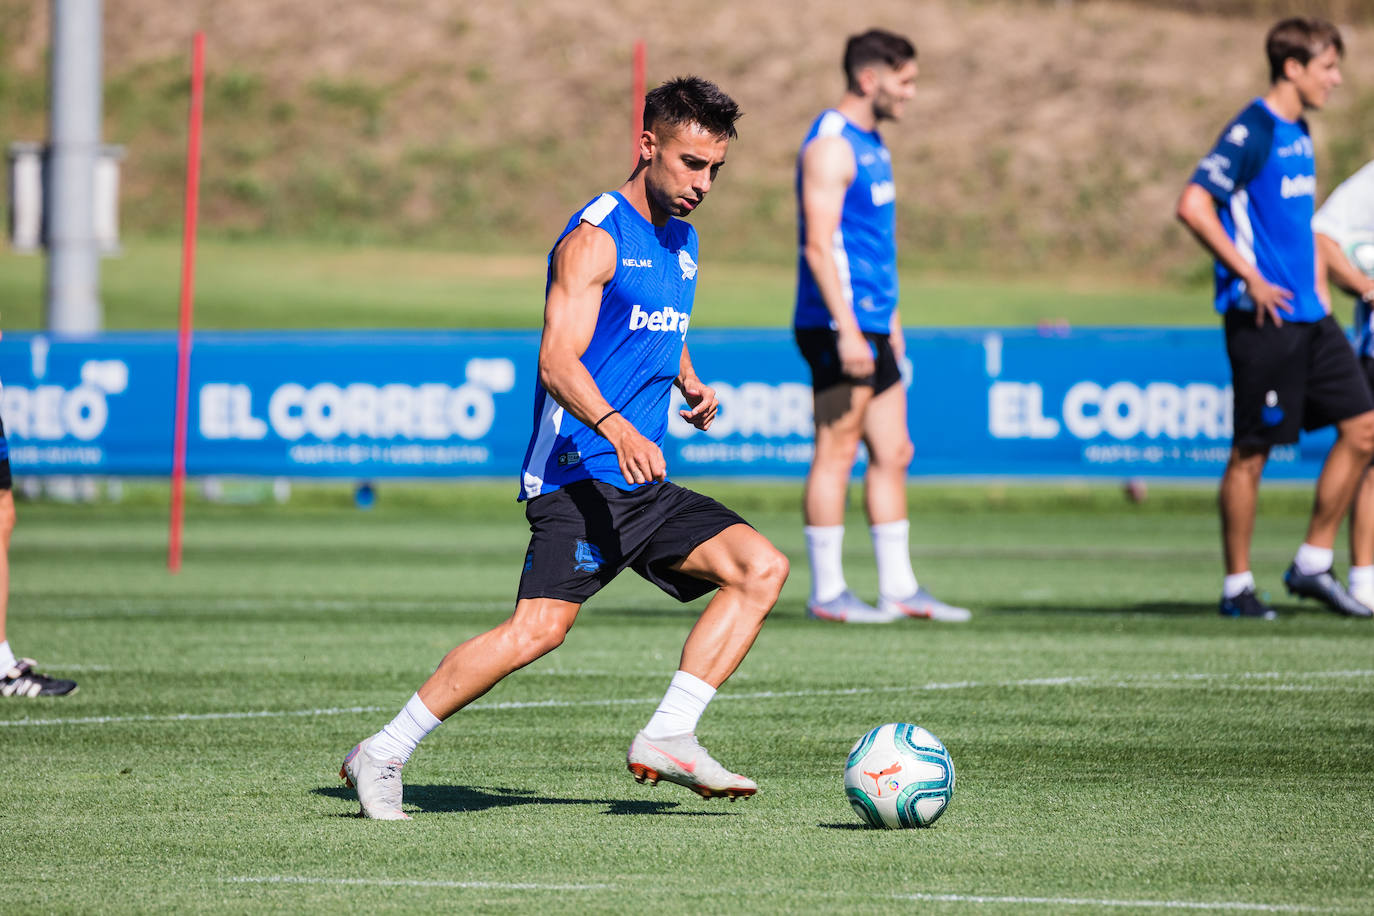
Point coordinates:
[[1250, 204], [618, 302], [849, 333]]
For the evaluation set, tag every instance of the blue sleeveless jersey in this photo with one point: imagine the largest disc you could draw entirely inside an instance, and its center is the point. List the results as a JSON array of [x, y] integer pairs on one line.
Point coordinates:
[[635, 352], [865, 245], [1263, 176]]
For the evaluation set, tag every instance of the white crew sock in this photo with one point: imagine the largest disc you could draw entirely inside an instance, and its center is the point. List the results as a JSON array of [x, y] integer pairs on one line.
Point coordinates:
[[1361, 577], [681, 708], [890, 546], [7, 658], [1312, 560], [824, 546], [399, 738], [1236, 583]]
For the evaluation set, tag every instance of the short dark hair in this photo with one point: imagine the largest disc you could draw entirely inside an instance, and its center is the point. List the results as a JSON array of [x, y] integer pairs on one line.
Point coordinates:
[[874, 47], [1301, 39], [691, 100]]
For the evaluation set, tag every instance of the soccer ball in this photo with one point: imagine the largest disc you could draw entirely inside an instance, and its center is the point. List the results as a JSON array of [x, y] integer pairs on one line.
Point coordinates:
[[1359, 250], [899, 775]]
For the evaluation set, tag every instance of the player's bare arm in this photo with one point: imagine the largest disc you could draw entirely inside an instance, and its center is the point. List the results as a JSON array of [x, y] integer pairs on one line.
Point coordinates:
[[1197, 211], [582, 266], [1338, 268], [701, 398], [828, 169]]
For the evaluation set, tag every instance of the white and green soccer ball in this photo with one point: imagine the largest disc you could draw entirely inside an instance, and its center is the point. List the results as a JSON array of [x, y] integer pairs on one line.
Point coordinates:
[[899, 775], [1359, 250]]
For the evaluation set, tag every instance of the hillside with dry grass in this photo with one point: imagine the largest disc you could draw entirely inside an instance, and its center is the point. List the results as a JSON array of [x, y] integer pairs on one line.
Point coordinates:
[[1045, 136]]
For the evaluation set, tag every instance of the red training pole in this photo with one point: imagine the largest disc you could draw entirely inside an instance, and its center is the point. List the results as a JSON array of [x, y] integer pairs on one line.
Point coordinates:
[[188, 283], [637, 103]]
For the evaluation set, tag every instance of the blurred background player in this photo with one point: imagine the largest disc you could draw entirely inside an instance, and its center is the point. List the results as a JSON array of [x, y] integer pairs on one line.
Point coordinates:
[[621, 282], [1250, 204], [848, 330], [17, 677], [1344, 227]]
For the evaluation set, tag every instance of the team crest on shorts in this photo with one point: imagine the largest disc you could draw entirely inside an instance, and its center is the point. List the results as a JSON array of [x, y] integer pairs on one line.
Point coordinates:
[[586, 557]]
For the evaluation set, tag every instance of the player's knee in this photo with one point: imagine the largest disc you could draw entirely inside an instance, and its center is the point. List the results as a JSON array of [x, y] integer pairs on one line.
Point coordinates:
[[1359, 432], [766, 571], [536, 638], [896, 458]]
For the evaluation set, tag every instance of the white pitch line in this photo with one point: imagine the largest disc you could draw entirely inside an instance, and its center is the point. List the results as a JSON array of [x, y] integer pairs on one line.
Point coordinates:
[[388, 882], [1148, 681], [1226, 905]]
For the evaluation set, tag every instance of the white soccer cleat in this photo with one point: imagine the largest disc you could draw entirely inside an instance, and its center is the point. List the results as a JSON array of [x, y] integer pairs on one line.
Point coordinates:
[[926, 606], [1364, 595], [847, 607], [682, 760], [378, 783]]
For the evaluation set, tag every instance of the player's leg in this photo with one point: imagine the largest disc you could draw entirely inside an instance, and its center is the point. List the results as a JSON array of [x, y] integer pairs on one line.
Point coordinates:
[[17, 677], [840, 403], [748, 573], [1362, 542], [889, 456], [1336, 392], [1238, 499]]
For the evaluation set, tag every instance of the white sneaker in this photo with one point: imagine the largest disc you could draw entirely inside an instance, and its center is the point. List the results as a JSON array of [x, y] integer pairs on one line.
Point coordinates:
[[682, 760], [1364, 595], [927, 607], [378, 783], [847, 607]]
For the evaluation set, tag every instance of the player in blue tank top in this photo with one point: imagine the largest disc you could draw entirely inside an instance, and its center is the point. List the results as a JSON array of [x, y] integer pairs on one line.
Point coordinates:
[[618, 302], [848, 331], [1250, 204]]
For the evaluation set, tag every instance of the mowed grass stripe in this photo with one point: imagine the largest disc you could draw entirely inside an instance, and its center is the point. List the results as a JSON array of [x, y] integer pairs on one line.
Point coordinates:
[[1127, 683]]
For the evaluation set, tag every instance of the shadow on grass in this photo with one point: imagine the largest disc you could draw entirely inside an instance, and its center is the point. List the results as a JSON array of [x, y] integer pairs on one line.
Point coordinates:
[[855, 825], [469, 799]]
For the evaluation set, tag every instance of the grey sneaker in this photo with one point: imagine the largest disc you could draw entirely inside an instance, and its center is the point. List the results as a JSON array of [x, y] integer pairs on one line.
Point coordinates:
[[1327, 589], [925, 606], [378, 783], [682, 760], [846, 607]]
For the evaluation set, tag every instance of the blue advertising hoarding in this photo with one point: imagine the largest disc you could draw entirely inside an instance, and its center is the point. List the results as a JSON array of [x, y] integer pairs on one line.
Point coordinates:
[[376, 404]]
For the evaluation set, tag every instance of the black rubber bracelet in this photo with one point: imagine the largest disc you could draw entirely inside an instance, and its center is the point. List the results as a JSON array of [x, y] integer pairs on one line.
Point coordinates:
[[596, 427]]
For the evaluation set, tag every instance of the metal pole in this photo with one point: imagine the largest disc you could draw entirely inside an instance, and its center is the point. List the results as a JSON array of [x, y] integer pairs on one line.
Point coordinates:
[[73, 276]]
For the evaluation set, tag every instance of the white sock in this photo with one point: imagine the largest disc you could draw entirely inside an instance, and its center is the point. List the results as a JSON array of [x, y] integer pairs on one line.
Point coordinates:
[[890, 546], [681, 708], [7, 658], [1312, 560], [1236, 583], [824, 546], [1361, 577], [399, 738]]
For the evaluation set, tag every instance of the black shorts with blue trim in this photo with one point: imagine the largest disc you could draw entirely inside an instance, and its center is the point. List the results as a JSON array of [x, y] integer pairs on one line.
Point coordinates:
[[586, 533], [821, 350], [1291, 377]]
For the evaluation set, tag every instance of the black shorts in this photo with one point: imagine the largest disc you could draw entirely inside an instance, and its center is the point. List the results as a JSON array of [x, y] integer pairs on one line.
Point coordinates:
[[1291, 377], [6, 480], [820, 348], [585, 534]]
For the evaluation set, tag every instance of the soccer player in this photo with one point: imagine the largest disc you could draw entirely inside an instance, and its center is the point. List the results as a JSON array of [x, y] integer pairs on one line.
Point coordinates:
[[1250, 204], [17, 677], [1345, 219], [849, 333], [618, 301]]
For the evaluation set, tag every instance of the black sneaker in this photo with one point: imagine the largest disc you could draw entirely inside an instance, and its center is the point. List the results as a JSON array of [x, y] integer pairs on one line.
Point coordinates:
[[1327, 589], [1246, 604], [22, 681]]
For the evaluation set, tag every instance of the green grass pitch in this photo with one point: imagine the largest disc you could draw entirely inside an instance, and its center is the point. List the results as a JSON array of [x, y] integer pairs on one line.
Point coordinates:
[[1120, 748]]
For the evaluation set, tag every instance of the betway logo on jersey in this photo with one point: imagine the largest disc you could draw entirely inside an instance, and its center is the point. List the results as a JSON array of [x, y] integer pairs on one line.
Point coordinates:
[[666, 319], [1298, 186], [884, 192]]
